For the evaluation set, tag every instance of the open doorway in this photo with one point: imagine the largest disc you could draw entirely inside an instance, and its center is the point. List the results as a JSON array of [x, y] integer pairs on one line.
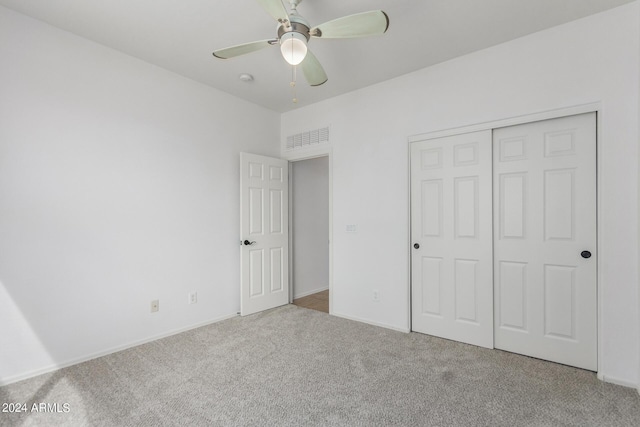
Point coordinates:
[[309, 237]]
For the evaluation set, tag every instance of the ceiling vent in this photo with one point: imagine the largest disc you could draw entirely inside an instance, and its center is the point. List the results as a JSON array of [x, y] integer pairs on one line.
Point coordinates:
[[308, 139]]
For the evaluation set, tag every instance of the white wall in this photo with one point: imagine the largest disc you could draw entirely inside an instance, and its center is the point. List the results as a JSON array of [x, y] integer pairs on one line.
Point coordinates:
[[591, 60], [310, 226], [118, 185], [639, 221]]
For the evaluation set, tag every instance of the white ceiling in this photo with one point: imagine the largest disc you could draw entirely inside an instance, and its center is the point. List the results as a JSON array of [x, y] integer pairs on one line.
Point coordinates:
[[180, 35]]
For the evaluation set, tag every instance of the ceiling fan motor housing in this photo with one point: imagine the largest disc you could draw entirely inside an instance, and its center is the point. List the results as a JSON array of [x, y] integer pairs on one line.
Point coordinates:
[[296, 24]]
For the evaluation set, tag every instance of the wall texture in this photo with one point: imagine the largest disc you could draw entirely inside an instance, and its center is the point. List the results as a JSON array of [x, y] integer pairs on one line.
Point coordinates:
[[118, 185], [593, 60], [310, 226]]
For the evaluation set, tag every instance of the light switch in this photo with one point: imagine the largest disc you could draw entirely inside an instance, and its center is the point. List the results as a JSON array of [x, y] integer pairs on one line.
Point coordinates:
[[352, 228]]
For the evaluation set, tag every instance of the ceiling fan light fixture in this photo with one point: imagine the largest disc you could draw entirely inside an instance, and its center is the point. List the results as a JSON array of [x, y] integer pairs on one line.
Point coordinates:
[[293, 46]]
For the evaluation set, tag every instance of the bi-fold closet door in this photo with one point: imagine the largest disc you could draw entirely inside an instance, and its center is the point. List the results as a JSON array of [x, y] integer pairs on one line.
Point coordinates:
[[504, 239]]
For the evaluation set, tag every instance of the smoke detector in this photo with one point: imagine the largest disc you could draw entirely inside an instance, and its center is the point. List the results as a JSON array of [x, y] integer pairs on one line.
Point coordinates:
[[245, 77]]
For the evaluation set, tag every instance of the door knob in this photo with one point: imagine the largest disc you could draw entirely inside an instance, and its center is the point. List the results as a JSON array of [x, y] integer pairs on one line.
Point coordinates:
[[585, 254], [416, 245], [248, 243]]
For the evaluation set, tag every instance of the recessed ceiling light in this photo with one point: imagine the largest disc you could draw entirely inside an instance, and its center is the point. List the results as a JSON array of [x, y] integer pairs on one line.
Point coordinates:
[[246, 77]]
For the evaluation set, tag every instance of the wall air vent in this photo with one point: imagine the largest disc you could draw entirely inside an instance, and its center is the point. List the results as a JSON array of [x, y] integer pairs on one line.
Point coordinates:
[[308, 139]]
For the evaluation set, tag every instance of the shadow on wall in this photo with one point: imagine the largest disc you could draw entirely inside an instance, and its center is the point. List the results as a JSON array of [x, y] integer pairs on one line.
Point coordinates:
[[16, 409]]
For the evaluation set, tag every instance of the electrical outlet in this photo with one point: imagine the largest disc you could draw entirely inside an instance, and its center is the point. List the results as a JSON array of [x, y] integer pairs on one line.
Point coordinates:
[[155, 305], [376, 296], [193, 298]]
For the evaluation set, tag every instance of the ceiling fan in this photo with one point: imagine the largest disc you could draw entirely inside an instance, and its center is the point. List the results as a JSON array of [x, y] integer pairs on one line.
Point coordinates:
[[294, 32]]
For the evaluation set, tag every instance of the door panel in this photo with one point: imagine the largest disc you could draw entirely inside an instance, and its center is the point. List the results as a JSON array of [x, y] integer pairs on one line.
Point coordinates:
[[512, 289], [452, 279], [545, 204], [264, 224]]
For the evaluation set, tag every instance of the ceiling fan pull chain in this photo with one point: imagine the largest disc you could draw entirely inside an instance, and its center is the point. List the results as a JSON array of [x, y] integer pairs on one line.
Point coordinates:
[[294, 89]]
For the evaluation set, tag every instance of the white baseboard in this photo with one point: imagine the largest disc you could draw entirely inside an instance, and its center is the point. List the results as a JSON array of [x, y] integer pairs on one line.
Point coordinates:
[[617, 381], [57, 366], [315, 291], [371, 322]]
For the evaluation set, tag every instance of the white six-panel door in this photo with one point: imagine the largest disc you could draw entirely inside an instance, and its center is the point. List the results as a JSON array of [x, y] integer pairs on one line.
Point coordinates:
[[545, 222], [504, 224], [264, 237], [452, 284]]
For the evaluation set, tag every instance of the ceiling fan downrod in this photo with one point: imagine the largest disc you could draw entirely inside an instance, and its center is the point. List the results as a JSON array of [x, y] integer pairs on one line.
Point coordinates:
[[294, 4]]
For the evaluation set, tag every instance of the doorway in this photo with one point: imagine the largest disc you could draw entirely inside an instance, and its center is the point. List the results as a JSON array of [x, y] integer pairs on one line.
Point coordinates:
[[309, 241]]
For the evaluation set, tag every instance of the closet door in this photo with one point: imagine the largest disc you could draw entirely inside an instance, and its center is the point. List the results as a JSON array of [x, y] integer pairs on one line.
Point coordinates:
[[452, 282], [545, 240]]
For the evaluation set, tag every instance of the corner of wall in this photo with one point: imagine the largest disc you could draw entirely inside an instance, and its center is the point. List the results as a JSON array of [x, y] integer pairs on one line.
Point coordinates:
[[638, 201]]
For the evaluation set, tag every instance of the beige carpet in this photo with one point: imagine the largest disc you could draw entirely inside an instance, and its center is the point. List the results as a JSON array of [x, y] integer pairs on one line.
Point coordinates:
[[294, 367]]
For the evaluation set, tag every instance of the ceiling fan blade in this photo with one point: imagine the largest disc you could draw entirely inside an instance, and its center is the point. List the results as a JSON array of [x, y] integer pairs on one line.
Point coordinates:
[[313, 71], [275, 8], [363, 24], [241, 49]]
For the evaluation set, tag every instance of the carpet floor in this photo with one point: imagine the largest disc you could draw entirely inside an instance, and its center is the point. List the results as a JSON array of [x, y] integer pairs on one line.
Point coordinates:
[[293, 366]]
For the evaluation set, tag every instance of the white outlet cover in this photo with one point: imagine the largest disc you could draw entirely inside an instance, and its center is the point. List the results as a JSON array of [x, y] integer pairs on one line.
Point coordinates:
[[351, 228]]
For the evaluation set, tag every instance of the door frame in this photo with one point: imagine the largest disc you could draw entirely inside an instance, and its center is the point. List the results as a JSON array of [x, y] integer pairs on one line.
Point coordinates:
[[297, 158], [595, 107]]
